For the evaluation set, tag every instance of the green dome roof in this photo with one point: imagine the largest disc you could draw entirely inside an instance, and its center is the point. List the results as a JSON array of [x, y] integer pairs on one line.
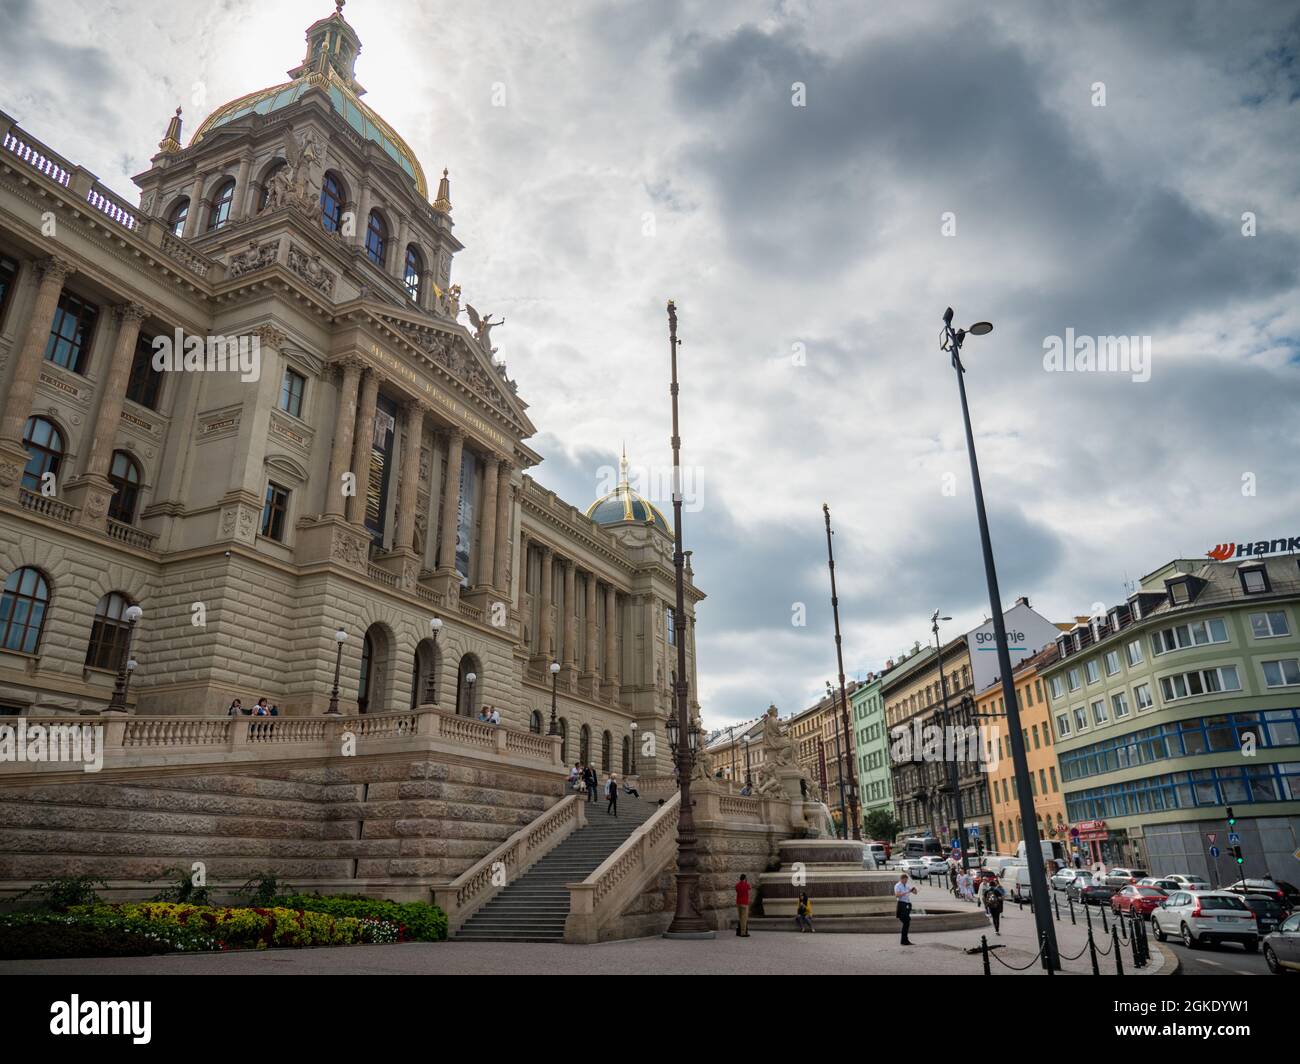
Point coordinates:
[[625, 505]]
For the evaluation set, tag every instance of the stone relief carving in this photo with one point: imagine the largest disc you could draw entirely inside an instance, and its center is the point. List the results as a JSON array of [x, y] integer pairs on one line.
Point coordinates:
[[311, 268], [349, 550], [256, 257]]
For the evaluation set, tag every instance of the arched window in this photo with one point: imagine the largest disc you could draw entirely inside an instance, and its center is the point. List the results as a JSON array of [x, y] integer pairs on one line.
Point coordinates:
[[424, 681], [535, 722], [564, 741], [176, 219], [22, 610], [584, 745], [124, 475], [376, 238], [221, 203], [108, 633], [44, 445], [413, 274], [606, 753], [367, 667], [627, 756], [331, 203], [266, 185], [466, 690]]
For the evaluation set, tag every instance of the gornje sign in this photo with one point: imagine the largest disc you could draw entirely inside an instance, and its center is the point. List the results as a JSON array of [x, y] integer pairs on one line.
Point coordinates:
[[1223, 551]]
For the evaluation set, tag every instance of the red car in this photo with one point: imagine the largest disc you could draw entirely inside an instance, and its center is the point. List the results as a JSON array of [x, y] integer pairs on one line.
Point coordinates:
[[1141, 901], [981, 876]]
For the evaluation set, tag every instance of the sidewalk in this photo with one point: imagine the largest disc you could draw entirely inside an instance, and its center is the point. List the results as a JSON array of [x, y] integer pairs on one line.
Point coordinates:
[[770, 953]]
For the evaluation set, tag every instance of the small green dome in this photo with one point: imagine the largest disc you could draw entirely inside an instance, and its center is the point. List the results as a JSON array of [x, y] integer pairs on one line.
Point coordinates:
[[625, 505]]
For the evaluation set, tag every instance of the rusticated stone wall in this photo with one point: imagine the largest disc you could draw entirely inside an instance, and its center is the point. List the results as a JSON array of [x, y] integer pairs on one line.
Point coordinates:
[[390, 826]]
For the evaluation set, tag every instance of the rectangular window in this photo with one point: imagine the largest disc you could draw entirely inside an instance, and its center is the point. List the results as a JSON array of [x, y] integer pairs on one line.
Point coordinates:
[[1253, 581], [1282, 673], [1057, 687], [1201, 682], [1052, 771], [275, 512], [1038, 687], [1093, 672], [1042, 781], [1193, 634], [1269, 625], [1035, 732], [71, 333], [1142, 696], [1099, 715], [1080, 718], [1072, 678], [145, 382], [1119, 703], [291, 389], [670, 617], [1134, 650], [1112, 662]]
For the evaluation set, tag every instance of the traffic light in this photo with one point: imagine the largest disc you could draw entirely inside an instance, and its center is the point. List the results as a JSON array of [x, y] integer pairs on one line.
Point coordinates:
[[1236, 855], [1232, 820]]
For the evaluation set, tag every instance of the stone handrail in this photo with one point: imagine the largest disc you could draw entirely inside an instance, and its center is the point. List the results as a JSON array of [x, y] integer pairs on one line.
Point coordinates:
[[603, 895], [128, 742], [482, 881]]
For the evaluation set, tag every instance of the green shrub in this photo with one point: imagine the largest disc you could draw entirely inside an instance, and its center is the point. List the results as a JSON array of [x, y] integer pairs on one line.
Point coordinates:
[[62, 893], [262, 888], [418, 921], [29, 936], [182, 888], [255, 927]]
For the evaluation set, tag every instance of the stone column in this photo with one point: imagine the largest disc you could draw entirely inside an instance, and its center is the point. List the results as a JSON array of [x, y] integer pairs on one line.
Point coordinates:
[[545, 618], [27, 367], [409, 485], [451, 501], [196, 202], [487, 536], [501, 563], [243, 191], [570, 620], [112, 390], [589, 671], [362, 445], [611, 638], [362, 219], [397, 254], [345, 420]]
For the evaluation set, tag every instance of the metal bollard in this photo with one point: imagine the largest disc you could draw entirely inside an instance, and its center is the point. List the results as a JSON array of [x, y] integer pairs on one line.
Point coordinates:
[[984, 950], [1047, 956], [1133, 941], [1087, 914], [1092, 951], [1104, 928], [1119, 954], [1070, 902], [1056, 904]]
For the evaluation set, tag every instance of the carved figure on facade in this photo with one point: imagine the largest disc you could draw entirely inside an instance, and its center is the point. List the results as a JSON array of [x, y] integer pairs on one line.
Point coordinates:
[[279, 189], [305, 161], [483, 327], [311, 268], [255, 257], [778, 748]]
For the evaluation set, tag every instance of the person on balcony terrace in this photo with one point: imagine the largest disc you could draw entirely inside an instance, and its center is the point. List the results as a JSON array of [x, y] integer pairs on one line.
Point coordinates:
[[495, 716], [236, 708], [261, 709]]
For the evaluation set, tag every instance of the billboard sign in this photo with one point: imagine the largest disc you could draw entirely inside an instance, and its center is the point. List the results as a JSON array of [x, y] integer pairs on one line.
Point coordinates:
[[1027, 633]]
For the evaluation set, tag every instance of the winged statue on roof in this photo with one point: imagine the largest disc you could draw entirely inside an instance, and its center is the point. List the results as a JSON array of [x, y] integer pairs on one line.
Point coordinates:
[[483, 327]]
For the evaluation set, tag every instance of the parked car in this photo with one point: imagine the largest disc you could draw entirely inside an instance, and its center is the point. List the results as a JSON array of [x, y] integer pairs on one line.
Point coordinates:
[[913, 866], [1269, 912], [1065, 877], [984, 876], [1204, 917], [934, 866], [1190, 882], [1284, 892], [1125, 877], [1015, 881], [1166, 883], [874, 855], [1091, 891], [1137, 900], [1282, 947]]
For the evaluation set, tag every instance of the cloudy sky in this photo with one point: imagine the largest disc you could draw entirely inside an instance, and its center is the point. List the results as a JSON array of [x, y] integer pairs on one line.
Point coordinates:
[[813, 183]]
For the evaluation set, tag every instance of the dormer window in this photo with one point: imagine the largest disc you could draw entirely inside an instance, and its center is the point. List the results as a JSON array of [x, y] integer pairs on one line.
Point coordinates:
[[1135, 609], [1254, 579], [1179, 593]]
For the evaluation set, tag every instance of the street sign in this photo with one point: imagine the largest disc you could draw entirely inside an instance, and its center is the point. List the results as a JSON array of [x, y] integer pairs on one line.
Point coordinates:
[[1213, 836], [1233, 838], [973, 831], [1214, 851]]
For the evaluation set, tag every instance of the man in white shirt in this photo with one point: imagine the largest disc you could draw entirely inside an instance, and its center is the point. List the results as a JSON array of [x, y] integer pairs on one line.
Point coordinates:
[[496, 716], [903, 892]]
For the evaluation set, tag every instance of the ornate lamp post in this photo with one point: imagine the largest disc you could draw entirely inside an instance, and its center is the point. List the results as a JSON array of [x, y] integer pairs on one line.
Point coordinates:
[[431, 687], [844, 698], [340, 637], [745, 739], [951, 340], [554, 729], [117, 704], [687, 921], [470, 677], [633, 726]]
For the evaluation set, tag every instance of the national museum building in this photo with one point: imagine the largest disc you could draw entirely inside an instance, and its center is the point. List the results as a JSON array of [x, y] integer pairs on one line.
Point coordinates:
[[325, 448]]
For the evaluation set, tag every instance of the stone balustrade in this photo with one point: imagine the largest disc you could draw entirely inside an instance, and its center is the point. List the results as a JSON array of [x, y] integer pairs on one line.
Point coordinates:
[[131, 744], [481, 882]]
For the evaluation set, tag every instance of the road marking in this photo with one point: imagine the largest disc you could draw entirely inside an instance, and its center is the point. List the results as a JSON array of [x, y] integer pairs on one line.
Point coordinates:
[[1238, 971], [1206, 960]]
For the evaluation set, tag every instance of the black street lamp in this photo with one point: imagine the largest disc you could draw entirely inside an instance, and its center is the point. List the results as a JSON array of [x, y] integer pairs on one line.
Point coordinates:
[[117, 704], [555, 724], [339, 637], [634, 728], [951, 341], [431, 684], [839, 763], [745, 739], [844, 698], [687, 922]]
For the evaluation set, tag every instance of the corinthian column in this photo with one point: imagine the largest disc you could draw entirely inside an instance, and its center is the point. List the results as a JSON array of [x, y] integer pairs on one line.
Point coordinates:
[[112, 390], [451, 502], [362, 445], [345, 420], [611, 638], [27, 368], [408, 485], [545, 618], [589, 670], [501, 564], [487, 536], [570, 619]]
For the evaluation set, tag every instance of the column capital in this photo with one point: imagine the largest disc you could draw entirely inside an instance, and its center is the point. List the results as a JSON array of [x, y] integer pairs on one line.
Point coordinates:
[[270, 335], [56, 268], [129, 312], [547, 551], [454, 432]]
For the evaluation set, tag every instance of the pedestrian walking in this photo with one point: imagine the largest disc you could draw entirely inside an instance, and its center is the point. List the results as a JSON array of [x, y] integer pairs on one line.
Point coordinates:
[[803, 914], [742, 906], [592, 781], [993, 906], [903, 892], [575, 774], [611, 796]]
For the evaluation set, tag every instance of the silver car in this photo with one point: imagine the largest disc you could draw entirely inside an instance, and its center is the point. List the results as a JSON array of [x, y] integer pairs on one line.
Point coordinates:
[[1282, 947], [1066, 876], [1190, 882], [1205, 917]]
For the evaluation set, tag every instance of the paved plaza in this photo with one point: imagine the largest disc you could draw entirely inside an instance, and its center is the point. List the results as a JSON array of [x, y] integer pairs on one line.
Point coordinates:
[[763, 953]]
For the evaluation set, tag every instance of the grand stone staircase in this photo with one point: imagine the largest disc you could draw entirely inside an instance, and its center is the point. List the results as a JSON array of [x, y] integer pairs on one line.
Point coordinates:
[[534, 907]]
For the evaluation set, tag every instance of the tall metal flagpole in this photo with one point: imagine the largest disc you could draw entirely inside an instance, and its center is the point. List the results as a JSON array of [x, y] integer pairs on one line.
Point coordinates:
[[687, 920], [844, 698]]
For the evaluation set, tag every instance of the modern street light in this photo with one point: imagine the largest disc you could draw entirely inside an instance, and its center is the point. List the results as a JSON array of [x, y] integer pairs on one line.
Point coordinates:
[[687, 922], [555, 724], [339, 637], [951, 340], [633, 727], [844, 698], [117, 704]]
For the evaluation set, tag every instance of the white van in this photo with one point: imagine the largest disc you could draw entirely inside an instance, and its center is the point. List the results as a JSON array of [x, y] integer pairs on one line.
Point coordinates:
[[873, 855], [1015, 881], [1050, 850]]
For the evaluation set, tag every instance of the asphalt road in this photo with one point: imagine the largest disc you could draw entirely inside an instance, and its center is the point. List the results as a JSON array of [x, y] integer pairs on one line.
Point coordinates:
[[1225, 959]]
